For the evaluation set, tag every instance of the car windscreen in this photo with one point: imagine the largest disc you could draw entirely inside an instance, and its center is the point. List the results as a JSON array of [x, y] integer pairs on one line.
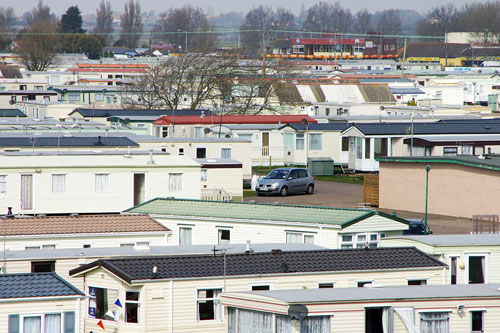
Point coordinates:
[[277, 174]]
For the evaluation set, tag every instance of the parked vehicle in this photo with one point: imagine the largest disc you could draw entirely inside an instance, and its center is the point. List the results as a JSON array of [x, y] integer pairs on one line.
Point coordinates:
[[417, 227], [283, 181]]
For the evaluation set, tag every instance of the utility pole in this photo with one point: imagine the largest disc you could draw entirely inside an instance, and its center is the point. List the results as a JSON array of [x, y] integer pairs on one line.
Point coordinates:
[[404, 59], [263, 54]]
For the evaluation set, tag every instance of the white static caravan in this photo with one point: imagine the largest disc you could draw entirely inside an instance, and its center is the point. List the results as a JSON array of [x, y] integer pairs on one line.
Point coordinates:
[[412, 309], [92, 182]]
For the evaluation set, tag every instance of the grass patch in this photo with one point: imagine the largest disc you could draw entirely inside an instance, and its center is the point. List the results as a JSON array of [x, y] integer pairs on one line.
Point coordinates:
[[249, 193], [348, 179]]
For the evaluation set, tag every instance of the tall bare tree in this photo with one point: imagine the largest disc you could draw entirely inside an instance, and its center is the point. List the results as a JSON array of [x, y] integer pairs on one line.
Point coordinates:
[[258, 23], [326, 17], [104, 21], [363, 21], [131, 24], [390, 22], [181, 25], [7, 21], [40, 12], [284, 20]]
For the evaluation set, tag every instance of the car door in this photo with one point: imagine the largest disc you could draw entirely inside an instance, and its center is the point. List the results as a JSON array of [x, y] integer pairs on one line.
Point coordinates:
[[292, 181], [302, 180]]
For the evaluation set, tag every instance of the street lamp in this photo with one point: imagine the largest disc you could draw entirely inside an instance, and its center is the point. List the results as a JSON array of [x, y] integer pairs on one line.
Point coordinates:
[[427, 169]]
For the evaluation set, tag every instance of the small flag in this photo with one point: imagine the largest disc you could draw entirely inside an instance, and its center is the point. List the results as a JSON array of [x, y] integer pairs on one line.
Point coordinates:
[[118, 303], [100, 324]]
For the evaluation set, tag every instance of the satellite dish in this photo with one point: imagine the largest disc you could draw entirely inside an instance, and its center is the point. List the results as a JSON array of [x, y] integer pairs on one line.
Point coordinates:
[[207, 130], [298, 311]]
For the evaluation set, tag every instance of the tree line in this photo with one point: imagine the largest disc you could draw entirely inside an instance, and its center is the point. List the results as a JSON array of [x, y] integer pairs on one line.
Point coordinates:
[[189, 29]]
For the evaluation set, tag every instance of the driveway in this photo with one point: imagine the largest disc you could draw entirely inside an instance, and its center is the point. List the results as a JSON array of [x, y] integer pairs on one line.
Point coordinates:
[[341, 195]]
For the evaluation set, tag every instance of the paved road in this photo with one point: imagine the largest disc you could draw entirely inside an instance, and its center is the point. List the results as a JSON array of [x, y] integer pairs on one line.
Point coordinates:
[[342, 195]]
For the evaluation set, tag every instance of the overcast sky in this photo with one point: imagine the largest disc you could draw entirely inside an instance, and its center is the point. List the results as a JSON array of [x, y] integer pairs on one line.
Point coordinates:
[[89, 6]]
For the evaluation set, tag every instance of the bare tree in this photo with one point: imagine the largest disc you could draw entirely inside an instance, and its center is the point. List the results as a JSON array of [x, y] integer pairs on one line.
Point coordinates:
[[186, 81], [180, 26], [131, 24], [363, 21], [38, 45], [284, 20], [390, 22], [39, 13], [258, 22], [327, 17], [7, 21], [104, 21], [439, 20]]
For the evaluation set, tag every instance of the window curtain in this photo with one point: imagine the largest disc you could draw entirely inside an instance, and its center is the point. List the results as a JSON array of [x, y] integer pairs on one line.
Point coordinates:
[[385, 320], [58, 183], [315, 142], [101, 182], [217, 306], [225, 153], [53, 323], [288, 141], [32, 324], [434, 322], [407, 315], [175, 182], [293, 237], [254, 322], [319, 324], [27, 192], [185, 236], [308, 239], [283, 324], [359, 148]]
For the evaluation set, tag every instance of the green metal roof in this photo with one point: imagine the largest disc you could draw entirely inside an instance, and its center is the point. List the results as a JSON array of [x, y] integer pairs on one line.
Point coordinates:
[[342, 217]]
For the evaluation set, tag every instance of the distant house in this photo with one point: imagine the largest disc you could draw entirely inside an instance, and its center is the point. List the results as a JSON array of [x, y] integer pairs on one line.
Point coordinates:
[[444, 309], [40, 302], [212, 222], [183, 293]]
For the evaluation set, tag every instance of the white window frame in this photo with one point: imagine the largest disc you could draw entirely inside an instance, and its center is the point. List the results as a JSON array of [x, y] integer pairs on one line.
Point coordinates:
[[309, 141], [42, 321], [482, 318], [356, 244], [185, 227], [99, 97], [473, 254], [198, 132], [215, 299], [260, 284], [62, 188], [230, 152], [89, 297], [73, 97], [138, 302], [302, 234], [104, 189], [3, 184], [436, 311], [326, 282], [219, 237], [300, 139], [176, 174], [418, 279]]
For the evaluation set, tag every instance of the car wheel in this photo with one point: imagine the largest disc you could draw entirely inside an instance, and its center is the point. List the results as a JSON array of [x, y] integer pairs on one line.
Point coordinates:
[[284, 191], [310, 189]]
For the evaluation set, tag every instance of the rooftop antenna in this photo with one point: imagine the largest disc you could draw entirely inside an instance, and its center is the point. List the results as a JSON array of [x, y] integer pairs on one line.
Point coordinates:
[[223, 252]]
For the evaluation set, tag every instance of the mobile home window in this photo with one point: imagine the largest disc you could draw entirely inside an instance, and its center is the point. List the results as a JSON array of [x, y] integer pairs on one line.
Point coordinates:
[[203, 175], [453, 270], [101, 301], [288, 141], [99, 97], [359, 148], [380, 147], [58, 183], [43, 266], [208, 304], [434, 322], [185, 236], [315, 141], [225, 153], [74, 97], [198, 132], [132, 306], [299, 141], [101, 182], [417, 282], [367, 148], [345, 143], [450, 151], [477, 325], [326, 285], [224, 236], [3, 183], [175, 182], [477, 269]]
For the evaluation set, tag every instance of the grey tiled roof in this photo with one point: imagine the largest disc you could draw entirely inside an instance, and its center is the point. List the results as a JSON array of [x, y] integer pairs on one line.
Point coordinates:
[[27, 285], [321, 126], [63, 141], [11, 113], [266, 263]]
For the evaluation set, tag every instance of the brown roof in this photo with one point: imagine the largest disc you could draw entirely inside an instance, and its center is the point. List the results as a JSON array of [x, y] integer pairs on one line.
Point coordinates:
[[82, 224]]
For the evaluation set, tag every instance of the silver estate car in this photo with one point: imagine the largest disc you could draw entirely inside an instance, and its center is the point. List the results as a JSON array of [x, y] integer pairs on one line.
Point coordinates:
[[286, 180]]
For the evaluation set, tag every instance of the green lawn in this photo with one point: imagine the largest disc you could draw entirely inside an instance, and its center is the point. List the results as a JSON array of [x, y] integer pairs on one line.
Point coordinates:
[[249, 193]]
